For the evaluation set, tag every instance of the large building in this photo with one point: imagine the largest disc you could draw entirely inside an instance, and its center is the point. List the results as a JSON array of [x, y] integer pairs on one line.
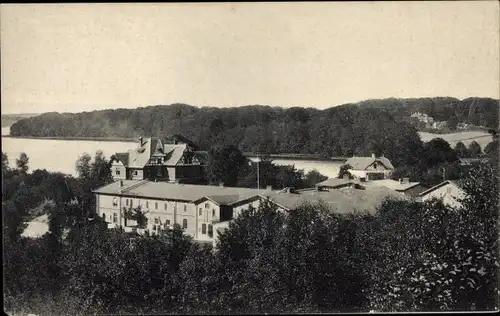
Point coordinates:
[[202, 211], [173, 159], [370, 168]]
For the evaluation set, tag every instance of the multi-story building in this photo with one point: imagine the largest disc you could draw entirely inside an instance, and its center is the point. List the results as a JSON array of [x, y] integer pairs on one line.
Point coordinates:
[[196, 208], [173, 159], [202, 211]]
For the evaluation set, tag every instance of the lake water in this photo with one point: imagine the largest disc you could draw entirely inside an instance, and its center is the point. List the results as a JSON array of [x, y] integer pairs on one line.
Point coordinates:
[[61, 155]]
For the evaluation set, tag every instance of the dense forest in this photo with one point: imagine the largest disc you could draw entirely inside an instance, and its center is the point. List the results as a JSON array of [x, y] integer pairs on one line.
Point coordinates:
[[373, 125], [409, 256]]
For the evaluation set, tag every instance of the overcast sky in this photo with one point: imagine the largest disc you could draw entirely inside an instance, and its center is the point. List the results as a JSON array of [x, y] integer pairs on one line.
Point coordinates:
[[83, 57]]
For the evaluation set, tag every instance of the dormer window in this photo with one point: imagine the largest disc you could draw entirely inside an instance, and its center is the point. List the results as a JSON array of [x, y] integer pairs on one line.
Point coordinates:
[[158, 161]]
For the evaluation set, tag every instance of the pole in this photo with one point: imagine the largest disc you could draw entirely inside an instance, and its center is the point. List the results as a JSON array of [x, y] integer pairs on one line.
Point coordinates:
[[258, 183]]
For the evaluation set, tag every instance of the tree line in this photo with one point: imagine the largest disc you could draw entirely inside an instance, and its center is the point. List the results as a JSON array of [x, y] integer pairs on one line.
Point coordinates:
[[408, 256], [344, 130]]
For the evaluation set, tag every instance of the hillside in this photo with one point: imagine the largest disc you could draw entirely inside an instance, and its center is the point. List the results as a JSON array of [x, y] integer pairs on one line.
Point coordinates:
[[372, 125], [9, 119]]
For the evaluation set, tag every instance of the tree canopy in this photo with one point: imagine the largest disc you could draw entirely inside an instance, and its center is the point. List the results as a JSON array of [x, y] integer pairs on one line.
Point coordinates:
[[379, 126], [408, 256]]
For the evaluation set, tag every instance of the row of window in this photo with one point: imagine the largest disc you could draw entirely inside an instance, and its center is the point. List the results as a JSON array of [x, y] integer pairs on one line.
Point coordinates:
[[114, 218], [200, 212], [129, 202], [117, 172]]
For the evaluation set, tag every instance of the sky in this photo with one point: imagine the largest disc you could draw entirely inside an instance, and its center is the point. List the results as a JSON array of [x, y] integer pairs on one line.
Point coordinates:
[[85, 57]]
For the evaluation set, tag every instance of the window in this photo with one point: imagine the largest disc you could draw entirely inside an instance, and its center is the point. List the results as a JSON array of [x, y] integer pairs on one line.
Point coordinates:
[[135, 172], [157, 220], [103, 216], [213, 213], [204, 228], [168, 222], [115, 202], [210, 231], [207, 205], [200, 211], [184, 223], [185, 207], [156, 205], [165, 206], [117, 172], [115, 218], [159, 161], [126, 202], [154, 227], [147, 204]]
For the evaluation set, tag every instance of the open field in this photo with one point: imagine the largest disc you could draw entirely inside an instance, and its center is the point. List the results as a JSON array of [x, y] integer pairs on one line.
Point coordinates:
[[482, 138]]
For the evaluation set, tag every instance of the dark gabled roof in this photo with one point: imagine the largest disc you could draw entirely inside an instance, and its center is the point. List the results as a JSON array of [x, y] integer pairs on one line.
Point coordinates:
[[179, 138], [181, 192], [174, 153], [156, 146], [220, 199], [123, 157]]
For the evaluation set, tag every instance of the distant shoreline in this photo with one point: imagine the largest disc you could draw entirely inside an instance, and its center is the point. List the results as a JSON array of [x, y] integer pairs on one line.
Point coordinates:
[[83, 138]]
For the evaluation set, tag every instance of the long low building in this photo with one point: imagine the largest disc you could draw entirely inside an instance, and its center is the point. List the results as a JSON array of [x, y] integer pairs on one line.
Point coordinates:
[[203, 210]]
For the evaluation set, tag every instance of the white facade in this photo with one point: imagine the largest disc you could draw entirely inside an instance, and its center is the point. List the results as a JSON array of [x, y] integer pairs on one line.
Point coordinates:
[[118, 170], [366, 173], [170, 205], [198, 220], [208, 212], [449, 193], [160, 213]]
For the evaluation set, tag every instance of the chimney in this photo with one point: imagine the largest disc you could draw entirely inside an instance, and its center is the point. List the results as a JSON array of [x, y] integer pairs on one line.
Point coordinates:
[[400, 180], [140, 140], [373, 155], [221, 184], [406, 180], [346, 177], [269, 188]]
